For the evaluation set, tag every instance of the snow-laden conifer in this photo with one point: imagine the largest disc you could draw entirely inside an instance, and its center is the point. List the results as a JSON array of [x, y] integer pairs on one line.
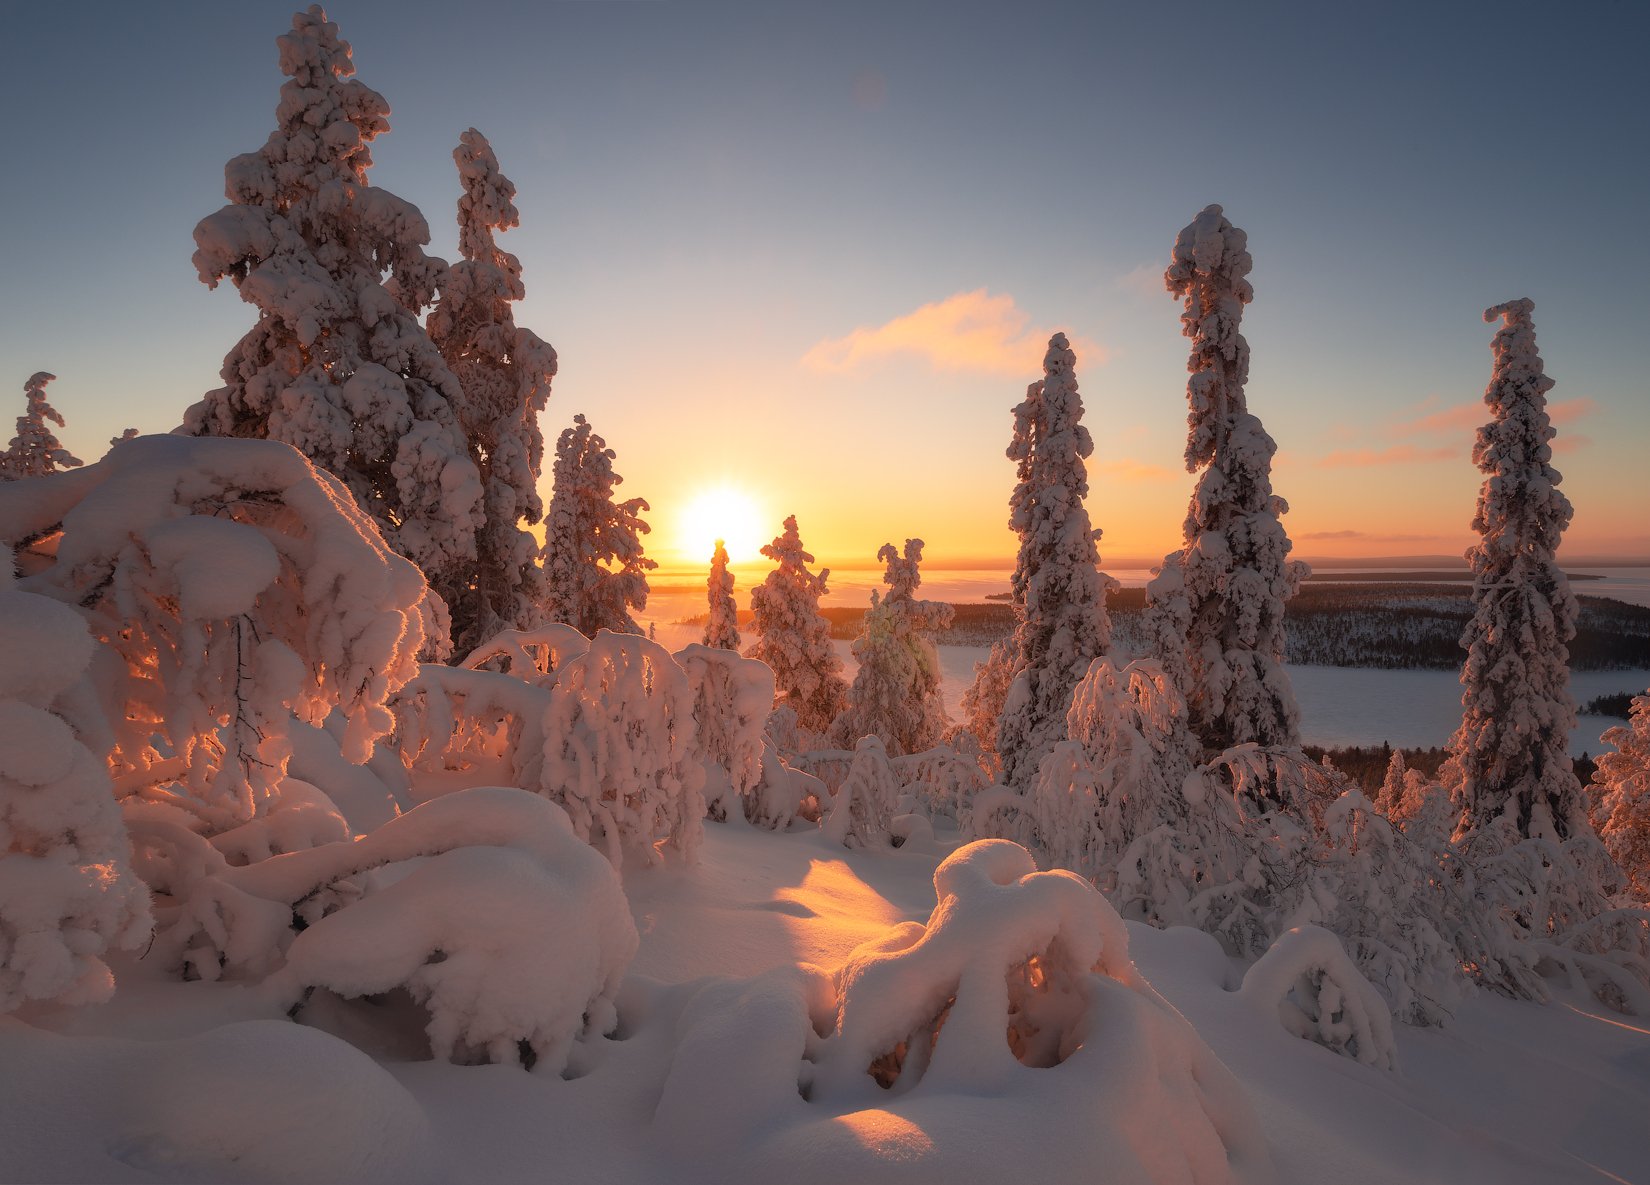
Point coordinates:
[[594, 569], [1510, 757], [504, 372], [1622, 793], [722, 619], [1058, 589], [793, 637], [1215, 612], [337, 364], [895, 695], [35, 450]]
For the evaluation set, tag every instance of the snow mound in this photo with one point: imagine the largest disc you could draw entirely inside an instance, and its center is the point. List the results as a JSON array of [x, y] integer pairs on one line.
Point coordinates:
[[516, 951], [1015, 1009], [271, 1101], [1307, 980]]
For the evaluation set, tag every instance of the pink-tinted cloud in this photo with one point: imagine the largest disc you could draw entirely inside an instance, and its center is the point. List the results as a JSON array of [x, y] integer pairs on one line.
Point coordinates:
[[971, 331], [1465, 418], [1397, 454]]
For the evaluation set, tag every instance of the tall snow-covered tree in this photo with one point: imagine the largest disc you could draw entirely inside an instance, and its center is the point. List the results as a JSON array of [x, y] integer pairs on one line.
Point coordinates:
[[337, 364], [1059, 592], [793, 637], [1510, 757], [504, 372], [722, 621], [594, 569], [895, 695], [1621, 792], [1215, 611], [35, 450]]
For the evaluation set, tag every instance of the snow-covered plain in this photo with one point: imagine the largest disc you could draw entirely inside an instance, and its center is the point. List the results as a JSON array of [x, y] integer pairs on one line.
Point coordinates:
[[699, 1082]]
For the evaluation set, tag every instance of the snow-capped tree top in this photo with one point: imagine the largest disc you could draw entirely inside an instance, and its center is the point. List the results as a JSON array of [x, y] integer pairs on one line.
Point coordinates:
[[35, 450], [1518, 440], [488, 203], [787, 551], [902, 576], [722, 621], [1208, 272]]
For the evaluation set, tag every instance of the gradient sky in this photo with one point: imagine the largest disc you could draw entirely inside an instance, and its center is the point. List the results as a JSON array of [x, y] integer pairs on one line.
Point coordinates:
[[815, 251]]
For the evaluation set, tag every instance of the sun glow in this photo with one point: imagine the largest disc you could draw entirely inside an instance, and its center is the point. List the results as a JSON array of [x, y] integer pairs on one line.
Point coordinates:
[[724, 513]]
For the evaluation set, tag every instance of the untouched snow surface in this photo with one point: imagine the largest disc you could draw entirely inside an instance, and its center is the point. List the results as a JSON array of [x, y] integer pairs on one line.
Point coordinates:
[[178, 1081]]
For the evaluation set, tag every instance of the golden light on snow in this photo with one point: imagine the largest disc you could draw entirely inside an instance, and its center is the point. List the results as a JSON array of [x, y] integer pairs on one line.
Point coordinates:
[[727, 513]]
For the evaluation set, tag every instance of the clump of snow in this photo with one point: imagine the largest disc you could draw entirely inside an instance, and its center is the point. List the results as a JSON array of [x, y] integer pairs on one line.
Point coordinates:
[[1317, 993], [516, 950]]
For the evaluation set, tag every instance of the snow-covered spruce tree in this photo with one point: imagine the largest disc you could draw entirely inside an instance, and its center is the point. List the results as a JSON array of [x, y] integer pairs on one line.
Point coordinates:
[[337, 364], [793, 637], [1390, 797], [594, 569], [35, 450], [67, 893], [1510, 757], [1215, 612], [1621, 794], [1058, 589], [722, 620], [504, 373], [895, 695]]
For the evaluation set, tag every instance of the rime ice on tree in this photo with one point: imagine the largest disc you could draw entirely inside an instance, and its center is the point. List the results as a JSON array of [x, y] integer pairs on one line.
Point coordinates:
[[594, 569], [337, 365], [895, 695], [35, 451], [793, 637], [1215, 612], [1058, 588], [504, 372], [1510, 757], [1622, 795], [722, 622]]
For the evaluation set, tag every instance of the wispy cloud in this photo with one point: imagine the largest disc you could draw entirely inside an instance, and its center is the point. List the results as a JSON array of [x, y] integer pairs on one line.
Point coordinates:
[[969, 331], [1434, 433], [1145, 281]]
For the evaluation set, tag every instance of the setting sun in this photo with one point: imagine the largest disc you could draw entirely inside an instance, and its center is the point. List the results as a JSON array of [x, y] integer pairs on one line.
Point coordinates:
[[726, 513]]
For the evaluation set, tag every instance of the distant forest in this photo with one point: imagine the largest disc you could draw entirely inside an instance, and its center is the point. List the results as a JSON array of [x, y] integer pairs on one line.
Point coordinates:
[[1409, 626]]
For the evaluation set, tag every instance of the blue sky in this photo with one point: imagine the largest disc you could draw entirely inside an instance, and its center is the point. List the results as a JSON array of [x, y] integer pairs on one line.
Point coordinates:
[[715, 198]]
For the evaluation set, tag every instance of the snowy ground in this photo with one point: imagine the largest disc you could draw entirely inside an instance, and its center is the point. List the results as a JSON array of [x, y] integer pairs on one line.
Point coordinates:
[[155, 1085]]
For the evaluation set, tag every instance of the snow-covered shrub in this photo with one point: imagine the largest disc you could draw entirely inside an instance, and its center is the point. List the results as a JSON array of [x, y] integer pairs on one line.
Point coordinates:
[[535, 655], [486, 725], [895, 695], [1020, 974], [944, 779], [1309, 983], [1510, 757], [1621, 794], [1059, 592], [1215, 611], [619, 749], [982, 701], [722, 617], [1393, 907], [504, 375], [233, 585], [337, 364], [35, 450], [862, 807], [793, 637], [594, 569], [732, 697], [514, 942], [67, 892]]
